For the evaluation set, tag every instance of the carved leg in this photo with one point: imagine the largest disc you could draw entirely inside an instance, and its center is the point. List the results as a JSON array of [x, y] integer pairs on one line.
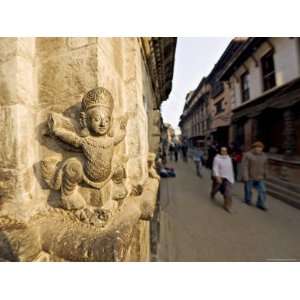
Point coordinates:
[[119, 188], [72, 173]]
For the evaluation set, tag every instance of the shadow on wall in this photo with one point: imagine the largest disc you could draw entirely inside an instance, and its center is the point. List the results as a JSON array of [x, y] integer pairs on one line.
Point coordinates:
[[6, 252]]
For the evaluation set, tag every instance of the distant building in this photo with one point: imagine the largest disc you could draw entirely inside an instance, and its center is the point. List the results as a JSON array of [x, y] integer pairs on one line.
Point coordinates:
[[167, 136], [207, 111], [195, 119]]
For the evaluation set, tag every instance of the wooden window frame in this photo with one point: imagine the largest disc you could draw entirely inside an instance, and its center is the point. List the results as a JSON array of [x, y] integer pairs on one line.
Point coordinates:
[[263, 76], [217, 104], [243, 98]]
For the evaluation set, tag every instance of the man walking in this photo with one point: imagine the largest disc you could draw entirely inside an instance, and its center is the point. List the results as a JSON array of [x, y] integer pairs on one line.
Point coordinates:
[[198, 159], [176, 149], [254, 174], [171, 151], [184, 149], [223, 178]]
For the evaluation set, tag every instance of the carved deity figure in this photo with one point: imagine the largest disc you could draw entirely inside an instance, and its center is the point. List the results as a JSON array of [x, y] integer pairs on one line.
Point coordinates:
[[96, 142]]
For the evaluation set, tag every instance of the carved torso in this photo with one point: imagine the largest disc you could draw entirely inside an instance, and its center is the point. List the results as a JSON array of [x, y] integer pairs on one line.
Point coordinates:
[[98, 152]]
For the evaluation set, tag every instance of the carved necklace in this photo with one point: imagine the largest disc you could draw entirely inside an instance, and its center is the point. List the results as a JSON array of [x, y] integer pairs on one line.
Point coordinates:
[[97, 143]]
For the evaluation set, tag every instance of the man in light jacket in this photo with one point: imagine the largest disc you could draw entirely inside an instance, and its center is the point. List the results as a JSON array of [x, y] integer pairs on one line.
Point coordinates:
[[254, 174], [198, 159], [223, 177]]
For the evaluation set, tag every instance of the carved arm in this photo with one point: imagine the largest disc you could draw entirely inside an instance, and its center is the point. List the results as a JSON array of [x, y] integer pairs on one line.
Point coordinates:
[[123, 123], [119, 138], [65, 135]]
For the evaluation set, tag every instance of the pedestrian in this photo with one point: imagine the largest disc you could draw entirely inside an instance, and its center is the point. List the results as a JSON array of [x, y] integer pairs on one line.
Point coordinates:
[[223, 178], [212, 151], [232, 149], [198, 159], [164, 155], [236, 156], [238, 161], [184, 149], [171, 151], [254, 174], [176, 148]]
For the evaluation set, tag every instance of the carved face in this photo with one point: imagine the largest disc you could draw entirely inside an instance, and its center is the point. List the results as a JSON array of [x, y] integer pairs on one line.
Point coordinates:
[[99, 120]]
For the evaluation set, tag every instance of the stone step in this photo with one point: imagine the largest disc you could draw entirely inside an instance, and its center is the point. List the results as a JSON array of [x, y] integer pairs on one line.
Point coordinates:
[[288, 185], [282, 193]]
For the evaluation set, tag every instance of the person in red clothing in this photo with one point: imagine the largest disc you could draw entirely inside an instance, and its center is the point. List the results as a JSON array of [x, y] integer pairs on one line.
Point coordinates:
[[237, 157]]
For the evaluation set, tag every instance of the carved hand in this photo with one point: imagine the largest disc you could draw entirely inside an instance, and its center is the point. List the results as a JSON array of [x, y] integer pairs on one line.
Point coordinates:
[[123, 122], [51, 123]]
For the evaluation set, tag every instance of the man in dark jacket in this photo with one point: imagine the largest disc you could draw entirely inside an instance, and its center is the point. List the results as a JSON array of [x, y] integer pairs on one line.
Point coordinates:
[[254, 174]]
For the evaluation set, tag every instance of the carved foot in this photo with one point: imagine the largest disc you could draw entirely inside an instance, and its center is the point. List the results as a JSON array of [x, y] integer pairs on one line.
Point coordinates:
[[93, 216], [119, 189], [43, 257], [73, 201]]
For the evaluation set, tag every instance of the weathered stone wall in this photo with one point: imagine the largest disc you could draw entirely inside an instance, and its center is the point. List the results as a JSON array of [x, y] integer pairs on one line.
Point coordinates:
[[51, 75], [19, 149]]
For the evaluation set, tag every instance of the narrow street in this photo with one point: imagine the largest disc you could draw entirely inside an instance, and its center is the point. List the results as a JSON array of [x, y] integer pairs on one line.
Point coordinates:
[[194, 228]]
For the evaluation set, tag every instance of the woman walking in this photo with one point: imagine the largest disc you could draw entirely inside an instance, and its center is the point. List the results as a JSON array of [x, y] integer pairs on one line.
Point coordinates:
[[223, 177]]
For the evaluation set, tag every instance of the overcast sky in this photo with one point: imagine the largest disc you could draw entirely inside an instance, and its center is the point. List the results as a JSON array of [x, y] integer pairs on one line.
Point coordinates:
[[195, 58]]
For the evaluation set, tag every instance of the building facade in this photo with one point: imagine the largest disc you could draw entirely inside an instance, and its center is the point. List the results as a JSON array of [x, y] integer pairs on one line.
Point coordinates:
[[80, 125], [264, 80], [220, 94], [253, 93]]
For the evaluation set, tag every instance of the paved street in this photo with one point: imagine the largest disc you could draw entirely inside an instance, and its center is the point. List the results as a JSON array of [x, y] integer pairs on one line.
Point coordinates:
[[193, 228]]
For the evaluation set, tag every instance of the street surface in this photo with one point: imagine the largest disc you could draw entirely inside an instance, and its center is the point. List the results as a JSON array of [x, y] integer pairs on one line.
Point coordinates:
[[194, 228]]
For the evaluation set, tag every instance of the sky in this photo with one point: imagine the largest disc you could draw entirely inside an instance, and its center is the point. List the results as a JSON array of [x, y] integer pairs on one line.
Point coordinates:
[[195, 58]]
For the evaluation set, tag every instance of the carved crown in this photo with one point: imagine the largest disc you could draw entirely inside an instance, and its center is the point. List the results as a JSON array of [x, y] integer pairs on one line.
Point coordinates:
[[97, 97]]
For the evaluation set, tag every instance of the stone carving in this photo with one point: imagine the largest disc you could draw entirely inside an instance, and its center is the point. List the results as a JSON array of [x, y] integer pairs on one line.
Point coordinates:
[[154, 129], [119, 189], [151, 166], [62, 235], [95, 169], [87, 226], [156, 119], [66, 191]]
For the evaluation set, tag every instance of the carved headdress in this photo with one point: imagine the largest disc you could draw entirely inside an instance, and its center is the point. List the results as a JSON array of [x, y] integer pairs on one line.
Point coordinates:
[[97, 97]]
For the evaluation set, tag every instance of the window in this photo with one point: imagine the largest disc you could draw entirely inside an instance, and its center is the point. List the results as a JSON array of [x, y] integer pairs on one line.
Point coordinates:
[[268, 71], [245, 88], [217, 87], [219, 107]]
